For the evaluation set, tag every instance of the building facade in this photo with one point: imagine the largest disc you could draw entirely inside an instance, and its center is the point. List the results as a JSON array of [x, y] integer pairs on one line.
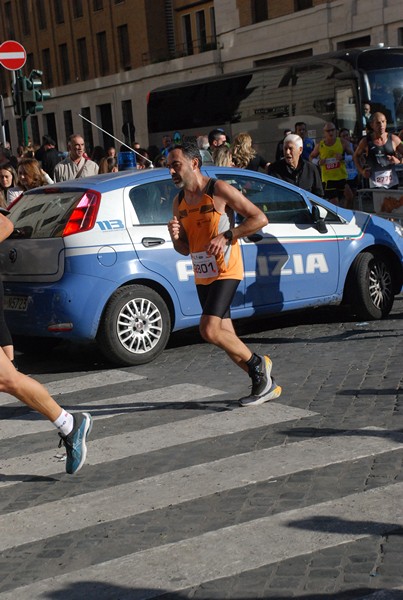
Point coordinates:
[[101, 58]]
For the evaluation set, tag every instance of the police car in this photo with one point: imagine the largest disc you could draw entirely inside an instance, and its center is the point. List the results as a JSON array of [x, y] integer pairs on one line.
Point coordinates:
[[91, 259]]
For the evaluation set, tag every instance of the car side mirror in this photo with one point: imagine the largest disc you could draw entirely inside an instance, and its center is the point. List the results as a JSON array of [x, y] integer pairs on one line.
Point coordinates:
[[318, 219]]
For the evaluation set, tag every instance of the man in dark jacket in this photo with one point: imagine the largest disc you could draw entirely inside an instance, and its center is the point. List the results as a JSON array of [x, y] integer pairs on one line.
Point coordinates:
[[294, 169], [50, 156]]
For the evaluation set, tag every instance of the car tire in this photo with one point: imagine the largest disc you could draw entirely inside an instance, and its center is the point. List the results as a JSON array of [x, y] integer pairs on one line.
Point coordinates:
[[370, 288], [135, 326]]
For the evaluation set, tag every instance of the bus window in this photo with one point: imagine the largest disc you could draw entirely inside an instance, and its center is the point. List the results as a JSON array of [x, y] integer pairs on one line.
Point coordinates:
[[346, 109]]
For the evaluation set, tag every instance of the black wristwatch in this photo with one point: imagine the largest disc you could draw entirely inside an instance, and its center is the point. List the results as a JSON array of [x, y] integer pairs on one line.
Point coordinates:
[[228, 235]]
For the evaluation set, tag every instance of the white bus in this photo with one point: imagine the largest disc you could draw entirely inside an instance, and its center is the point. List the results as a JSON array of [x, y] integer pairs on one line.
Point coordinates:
[[267, 100]]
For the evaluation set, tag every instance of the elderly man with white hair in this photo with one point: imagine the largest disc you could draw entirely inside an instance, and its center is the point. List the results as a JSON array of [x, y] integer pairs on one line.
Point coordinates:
[[294, 169]]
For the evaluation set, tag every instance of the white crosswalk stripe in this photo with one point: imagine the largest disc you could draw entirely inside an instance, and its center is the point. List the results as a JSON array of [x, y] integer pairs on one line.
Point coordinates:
[[81, 382], [186, 484], [174, 567], [208, 556], [154, 438], [35, 423]]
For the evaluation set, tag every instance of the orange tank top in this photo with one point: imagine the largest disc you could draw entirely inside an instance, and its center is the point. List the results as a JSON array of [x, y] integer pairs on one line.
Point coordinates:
[[202, 222]]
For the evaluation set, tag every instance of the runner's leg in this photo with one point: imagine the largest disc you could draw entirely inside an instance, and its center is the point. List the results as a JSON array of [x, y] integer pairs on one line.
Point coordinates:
[[27, 390], [221, 333]]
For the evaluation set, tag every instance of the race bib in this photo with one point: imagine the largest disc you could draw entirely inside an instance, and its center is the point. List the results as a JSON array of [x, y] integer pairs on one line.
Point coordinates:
[[384, 178], [332, 163], [204, 265]]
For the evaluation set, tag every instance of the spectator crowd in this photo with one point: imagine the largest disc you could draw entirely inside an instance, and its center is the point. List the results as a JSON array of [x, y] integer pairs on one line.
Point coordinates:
[[333, 167]]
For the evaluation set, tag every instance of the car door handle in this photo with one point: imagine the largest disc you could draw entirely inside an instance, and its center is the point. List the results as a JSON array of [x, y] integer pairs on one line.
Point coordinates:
[[254, 237], [148, 242]]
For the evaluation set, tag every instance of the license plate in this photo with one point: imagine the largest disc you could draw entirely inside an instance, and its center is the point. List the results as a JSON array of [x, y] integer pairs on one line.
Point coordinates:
[[16, 303]]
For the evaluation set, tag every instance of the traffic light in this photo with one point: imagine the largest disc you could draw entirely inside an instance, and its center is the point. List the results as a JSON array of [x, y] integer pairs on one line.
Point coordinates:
[[33, 95], [18, 100], [28, 95]]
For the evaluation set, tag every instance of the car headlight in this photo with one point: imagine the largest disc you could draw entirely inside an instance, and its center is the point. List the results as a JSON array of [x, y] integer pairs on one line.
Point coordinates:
[[398, 228]]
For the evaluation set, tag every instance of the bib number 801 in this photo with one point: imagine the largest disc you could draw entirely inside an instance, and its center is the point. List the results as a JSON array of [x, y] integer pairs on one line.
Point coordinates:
[[204, 266]]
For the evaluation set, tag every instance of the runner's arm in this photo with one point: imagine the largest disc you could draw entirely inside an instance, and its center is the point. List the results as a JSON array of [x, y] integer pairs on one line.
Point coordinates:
[[254, 219], [360, 150], [347, 147], [314, 153], [176, 231], [398, 144], [6, 227]]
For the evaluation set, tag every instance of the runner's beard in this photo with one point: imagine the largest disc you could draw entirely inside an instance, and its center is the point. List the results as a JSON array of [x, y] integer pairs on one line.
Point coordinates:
[[180, 184]]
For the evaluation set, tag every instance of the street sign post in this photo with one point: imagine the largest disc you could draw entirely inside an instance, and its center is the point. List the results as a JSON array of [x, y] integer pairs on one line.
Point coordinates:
[[2, 122], [27, 93], [12, 55]]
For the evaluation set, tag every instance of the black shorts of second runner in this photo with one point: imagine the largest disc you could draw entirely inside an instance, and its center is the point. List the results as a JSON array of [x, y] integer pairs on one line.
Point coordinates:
[[5, 336], [334, 189], [215, 298]]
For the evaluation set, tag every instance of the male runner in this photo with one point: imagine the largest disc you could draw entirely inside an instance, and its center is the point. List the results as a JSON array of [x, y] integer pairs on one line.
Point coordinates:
[[203, 226], [73, 429]]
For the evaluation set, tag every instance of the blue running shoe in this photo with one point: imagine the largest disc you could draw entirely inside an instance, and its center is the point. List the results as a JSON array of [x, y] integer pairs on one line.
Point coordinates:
[[74, 442]]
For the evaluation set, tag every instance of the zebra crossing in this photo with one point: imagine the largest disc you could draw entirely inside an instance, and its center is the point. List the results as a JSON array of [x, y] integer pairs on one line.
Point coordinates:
[[151, 565]]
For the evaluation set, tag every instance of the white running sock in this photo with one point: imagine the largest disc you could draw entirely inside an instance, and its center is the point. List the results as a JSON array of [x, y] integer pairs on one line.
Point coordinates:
[[64, 422]]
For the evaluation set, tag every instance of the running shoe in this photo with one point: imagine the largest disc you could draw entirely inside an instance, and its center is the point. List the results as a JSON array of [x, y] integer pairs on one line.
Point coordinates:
[[260, 375], [75, 442], [253, 400], [263, 387]]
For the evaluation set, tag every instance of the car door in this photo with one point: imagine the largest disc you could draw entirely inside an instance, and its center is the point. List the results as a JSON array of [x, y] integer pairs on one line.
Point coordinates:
[[288, 263], [148, 208]]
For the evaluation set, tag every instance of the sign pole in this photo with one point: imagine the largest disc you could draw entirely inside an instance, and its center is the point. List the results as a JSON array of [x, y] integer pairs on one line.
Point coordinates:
[[24, 124], [2, 121], [24, 130]]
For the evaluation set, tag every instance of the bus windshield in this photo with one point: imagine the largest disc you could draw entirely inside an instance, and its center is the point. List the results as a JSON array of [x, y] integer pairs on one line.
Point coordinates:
[[386, 89]]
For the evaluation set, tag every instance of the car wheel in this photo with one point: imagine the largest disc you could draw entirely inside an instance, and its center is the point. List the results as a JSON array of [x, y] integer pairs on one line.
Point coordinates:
[[135, 326], [370, 286]]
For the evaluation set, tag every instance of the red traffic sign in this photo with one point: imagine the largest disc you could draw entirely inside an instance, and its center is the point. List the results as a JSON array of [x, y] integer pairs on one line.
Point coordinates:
[[12, 55]]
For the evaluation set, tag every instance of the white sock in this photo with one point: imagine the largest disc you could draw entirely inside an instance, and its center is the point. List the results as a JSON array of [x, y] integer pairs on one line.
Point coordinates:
[[64, 422]]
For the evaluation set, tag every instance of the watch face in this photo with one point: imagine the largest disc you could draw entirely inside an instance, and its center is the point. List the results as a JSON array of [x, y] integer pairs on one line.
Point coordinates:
[[228, 235]]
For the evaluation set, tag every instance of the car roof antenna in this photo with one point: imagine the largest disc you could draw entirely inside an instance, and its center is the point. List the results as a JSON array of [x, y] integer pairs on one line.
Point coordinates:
[[116, 139]]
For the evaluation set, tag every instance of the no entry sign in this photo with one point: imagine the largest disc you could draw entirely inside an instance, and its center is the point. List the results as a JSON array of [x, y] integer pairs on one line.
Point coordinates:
[[12, 55]]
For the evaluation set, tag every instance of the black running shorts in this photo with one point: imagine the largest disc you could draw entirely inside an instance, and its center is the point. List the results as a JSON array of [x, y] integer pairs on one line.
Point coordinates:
[[334, 189], [215, 298]]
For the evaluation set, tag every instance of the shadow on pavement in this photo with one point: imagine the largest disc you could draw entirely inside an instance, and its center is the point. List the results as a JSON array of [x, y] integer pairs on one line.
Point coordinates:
[[314, 432], [90, 590]]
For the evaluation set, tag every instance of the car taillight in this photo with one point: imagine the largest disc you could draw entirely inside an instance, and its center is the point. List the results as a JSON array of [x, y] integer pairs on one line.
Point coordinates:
[[84, 215]]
